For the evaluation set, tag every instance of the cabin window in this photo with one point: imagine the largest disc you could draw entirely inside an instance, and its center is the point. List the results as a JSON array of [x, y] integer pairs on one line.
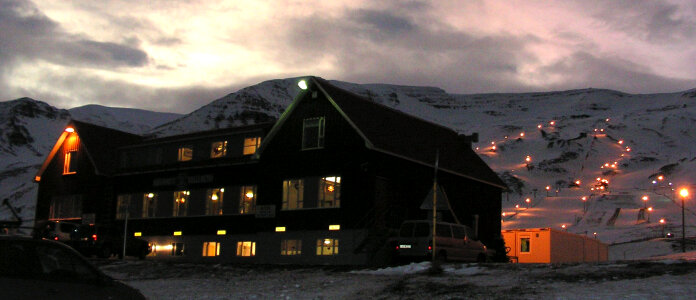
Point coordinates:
[[149, 205], [313, 133], [524, 245], [330, 191], [185, 153], [293, 192], [247, 203], [218, 149], [69, 163], [327, 246], [177, 249], [122, 206], [246, 248], [65, 207], [181, 201], [290, 247], [251, 145], [211, 249], [213, 203]]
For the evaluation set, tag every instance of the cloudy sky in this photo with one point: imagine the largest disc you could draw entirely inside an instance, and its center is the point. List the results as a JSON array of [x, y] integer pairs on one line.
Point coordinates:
[[170, 55]]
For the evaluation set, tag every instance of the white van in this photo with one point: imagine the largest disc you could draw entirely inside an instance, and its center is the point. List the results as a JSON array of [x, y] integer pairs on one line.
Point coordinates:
[[453, 242]]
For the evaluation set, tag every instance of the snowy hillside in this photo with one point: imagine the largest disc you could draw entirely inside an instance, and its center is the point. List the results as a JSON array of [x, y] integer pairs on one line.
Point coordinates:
[[131, 120], [570, 135]]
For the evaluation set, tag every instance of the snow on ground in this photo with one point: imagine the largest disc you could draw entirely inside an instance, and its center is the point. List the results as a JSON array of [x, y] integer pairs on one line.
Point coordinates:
[[670, 278]]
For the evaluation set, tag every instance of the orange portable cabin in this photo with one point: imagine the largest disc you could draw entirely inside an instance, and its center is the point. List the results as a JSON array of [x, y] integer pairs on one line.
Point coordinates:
[[546, 245]]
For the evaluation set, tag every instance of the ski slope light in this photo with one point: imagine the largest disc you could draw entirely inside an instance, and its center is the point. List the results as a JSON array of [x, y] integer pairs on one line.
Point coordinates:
[[684, 192], [302, 84]]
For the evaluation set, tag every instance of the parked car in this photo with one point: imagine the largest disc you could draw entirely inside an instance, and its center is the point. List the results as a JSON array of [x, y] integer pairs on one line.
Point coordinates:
[[452, 242], [105, 241], [102, 241], [61, 231], [45, 269]]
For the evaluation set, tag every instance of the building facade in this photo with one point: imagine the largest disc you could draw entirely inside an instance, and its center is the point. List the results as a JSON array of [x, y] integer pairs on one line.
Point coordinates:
[[327, 183]]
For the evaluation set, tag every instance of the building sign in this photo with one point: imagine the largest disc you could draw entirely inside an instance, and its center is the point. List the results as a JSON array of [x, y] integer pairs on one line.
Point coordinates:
[[183, 180], [265, 211]]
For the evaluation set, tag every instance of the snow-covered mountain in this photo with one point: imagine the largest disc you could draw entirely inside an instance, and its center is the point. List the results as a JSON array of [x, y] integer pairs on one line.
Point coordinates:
[[131, 120], [568, 135]]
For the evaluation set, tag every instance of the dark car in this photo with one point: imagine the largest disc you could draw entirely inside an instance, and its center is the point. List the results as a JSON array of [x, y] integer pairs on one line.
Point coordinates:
[[105, 241], [44, 269]]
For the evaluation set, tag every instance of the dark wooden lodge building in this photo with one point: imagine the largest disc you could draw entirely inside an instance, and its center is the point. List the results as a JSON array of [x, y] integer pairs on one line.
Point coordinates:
[[325, 184]]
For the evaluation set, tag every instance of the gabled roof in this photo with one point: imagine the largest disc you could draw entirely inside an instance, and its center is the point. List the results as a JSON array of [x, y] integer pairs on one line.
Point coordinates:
[[398, 134], [99, 143]]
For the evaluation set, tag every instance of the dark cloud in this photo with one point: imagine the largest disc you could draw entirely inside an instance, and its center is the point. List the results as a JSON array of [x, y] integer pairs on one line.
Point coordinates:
[[383, 21], [584, 70], [29, 35], [653, 21]]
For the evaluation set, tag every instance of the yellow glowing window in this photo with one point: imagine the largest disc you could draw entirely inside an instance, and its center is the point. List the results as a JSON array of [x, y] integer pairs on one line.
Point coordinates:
[[69, 163], [185, 153], [138, 233], [211, 249], [149, 205], [246, 248], [293, 194], [327, 247], [290, 247], [177, 232], [221, 232], [334, 227], [251, 145], [247, 203], [218, 149], [524, 245], [213, 203], [330, 191], [181, 201], [280, 229]]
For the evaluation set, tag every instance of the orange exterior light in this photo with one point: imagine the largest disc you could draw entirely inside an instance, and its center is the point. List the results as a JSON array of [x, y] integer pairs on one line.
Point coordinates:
[[528, 158], [650, 208], [584, 198], [539, 126], [645, 198], [69, 129], [563, 226], [517, 206], [620, 142], [662, 221], [548, 187], [522, 134], [660, 177], [552, 123], [503, 214]]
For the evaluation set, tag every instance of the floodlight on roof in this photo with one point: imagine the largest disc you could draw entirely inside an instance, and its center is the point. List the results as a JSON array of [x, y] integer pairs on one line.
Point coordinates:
[[69, 129], [302, 84]]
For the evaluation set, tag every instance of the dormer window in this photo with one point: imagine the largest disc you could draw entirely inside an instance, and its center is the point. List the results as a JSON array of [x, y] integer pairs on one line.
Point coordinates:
[[218, 149], [69, 163], [313, 133], [70, 149], [251, 144], [185, 153]]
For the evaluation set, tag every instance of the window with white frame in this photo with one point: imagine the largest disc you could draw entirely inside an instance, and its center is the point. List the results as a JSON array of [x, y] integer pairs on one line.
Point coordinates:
[[293, 194], [213, 202], [327, 246], [291, 247], [330, 191], [181, 201], [246, 248], [149, 205], [247, 200], [211, 249], [313, 133]]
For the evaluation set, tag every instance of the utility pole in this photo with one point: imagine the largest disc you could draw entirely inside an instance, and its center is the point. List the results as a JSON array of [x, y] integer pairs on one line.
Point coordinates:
[[437, 159]]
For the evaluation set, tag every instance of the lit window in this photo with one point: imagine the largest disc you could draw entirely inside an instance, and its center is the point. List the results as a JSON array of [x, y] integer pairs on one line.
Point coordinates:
[[213, 203], [327, 247], [218, 149], [211, 249], [524, 245], [293, 194], [185, 153], [247, 203], [181, 201], [290, 247], [251, 145], [246, 248], [177, 249], [313, 133], [149, 205], [69, 163], [330, 192], [122, 206]]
